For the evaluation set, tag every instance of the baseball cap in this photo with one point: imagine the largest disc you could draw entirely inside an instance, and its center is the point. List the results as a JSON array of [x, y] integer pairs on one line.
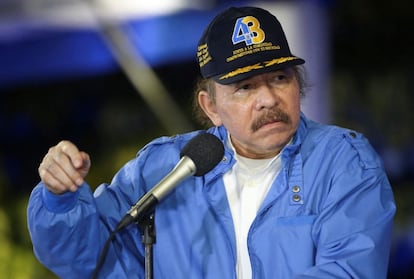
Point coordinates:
[[241, 42]]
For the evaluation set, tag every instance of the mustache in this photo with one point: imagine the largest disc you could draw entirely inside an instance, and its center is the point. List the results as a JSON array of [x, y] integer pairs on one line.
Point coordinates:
[[270, 116]]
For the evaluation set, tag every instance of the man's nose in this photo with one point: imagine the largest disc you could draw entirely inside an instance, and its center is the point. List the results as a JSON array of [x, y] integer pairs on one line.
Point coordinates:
[[267, 97]]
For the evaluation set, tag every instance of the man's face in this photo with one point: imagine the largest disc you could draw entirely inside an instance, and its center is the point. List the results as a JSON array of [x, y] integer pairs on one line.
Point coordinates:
[[261, 113]]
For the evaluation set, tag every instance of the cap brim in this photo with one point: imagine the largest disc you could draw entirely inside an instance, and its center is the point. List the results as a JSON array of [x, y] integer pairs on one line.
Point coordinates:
[[252, 70]]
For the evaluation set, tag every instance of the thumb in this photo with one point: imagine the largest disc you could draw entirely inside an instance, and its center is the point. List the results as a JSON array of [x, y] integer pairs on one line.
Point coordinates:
[[83, 164]]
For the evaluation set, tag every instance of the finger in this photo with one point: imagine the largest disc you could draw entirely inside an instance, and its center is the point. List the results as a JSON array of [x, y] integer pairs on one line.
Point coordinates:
[[55, 179], [86, 163], [86, 159], [63, 169], [72, 152]]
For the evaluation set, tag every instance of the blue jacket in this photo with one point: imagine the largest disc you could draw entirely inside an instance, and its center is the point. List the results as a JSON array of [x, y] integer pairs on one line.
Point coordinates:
[[328, 214]]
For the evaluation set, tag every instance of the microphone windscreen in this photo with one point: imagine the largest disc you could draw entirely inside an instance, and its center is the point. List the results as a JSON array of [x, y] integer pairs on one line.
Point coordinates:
[[205, 150]]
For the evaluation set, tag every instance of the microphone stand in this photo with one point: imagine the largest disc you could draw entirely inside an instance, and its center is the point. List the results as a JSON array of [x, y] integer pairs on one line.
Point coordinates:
[[147, 228]]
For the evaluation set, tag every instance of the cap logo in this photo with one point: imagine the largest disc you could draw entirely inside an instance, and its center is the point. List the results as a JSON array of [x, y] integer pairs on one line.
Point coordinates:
[[247, 29]]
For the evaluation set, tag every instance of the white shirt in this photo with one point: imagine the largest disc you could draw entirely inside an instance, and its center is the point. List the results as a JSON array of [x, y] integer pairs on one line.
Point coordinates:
[[247, 185]]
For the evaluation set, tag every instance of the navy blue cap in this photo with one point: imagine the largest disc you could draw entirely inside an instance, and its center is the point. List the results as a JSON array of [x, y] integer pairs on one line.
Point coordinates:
[[241, 42]]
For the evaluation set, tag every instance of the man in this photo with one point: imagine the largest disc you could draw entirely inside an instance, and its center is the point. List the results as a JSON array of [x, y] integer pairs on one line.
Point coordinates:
[[290, 199]]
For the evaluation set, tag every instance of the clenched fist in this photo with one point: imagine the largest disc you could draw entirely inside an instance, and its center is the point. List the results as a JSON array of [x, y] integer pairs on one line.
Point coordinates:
[[64, 167]]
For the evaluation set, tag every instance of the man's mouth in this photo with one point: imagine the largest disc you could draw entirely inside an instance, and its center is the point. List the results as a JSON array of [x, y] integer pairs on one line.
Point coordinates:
[[270, 117]]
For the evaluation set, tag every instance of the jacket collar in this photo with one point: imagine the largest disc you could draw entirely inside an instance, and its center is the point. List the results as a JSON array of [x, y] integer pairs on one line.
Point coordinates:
[[291, 174]]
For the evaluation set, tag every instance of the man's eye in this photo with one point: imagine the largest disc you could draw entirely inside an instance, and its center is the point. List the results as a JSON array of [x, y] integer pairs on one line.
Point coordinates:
[[280, 77], [279, 80], [245, 86], [243, 89]]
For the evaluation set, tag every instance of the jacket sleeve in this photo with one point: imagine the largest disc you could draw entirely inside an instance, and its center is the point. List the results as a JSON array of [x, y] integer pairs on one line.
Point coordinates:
[[352, 233], [65, 231], [68, 231]]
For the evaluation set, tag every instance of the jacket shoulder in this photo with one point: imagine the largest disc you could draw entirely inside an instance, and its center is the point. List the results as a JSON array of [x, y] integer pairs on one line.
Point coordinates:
[[337, 140]]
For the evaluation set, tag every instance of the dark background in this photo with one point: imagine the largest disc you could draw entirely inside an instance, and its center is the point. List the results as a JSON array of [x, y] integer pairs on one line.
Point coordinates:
[[371, 89]]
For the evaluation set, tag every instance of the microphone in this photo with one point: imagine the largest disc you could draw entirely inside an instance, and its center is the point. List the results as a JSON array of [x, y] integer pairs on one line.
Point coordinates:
[[200, 155]]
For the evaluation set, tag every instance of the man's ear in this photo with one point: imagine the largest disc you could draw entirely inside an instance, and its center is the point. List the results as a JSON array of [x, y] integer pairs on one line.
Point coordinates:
[[209, 107]]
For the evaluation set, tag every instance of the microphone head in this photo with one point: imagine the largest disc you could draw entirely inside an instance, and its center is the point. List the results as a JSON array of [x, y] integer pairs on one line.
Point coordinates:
[[205, 150]]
